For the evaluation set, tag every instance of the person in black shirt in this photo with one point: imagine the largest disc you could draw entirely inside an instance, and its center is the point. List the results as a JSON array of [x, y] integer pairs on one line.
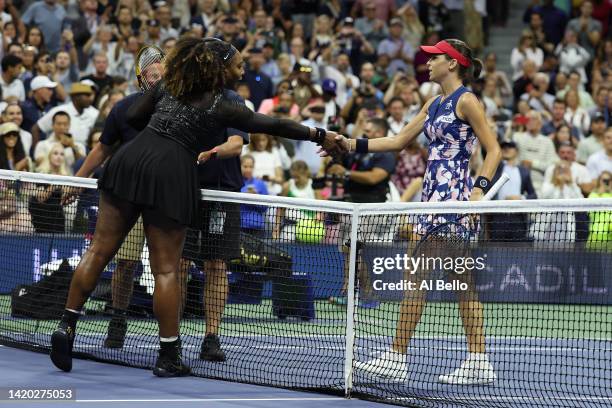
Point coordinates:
[[207, 246], [366, 180], [155, 176]]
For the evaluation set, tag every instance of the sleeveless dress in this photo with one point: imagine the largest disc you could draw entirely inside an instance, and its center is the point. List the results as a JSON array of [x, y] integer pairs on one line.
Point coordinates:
[[451, 143], [157, 170]]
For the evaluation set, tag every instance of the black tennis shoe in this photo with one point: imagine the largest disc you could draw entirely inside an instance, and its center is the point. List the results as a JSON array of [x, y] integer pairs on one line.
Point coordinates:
[[116, 333], [62, 340], [211, 349], [170, 362]]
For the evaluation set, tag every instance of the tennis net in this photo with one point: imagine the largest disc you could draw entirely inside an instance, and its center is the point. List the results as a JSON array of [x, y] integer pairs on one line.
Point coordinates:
[[320, 295]]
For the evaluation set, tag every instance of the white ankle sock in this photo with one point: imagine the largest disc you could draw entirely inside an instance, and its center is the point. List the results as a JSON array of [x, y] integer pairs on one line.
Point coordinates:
[[168, 339]]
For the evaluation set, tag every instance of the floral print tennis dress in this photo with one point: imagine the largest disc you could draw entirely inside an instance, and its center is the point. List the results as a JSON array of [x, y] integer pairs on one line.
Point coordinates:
[[451, 143]]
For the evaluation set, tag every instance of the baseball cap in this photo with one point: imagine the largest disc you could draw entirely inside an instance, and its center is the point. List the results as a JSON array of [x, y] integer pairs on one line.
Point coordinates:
[[506, 144], [349, 21], [329, 86], [598, 116], [80, 88], [42, 81], [8, 127], [396, 21]]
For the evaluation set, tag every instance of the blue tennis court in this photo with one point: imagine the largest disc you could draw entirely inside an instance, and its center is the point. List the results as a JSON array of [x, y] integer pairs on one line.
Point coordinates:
[[103, 385], [564, 367]]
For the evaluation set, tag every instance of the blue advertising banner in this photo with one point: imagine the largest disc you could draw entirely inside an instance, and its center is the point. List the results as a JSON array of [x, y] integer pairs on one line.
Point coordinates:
[[502, 274]]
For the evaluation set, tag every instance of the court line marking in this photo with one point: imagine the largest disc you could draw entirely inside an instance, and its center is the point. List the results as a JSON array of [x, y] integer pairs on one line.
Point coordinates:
[[215, 399], [502, 398], [379, 348]]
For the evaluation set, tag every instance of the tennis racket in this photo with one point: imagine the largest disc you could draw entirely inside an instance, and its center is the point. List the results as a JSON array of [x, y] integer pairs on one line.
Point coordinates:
[[149, 66], [451, 239]]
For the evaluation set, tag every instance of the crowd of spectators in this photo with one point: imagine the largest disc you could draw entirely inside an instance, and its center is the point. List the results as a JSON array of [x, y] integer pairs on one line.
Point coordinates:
[[352, 66]]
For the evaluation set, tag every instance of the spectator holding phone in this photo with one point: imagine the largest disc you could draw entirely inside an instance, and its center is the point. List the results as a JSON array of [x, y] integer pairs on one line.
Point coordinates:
[[73, 150]]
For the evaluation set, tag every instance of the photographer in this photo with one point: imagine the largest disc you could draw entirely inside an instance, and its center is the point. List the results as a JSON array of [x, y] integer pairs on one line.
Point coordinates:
[[353, 43]]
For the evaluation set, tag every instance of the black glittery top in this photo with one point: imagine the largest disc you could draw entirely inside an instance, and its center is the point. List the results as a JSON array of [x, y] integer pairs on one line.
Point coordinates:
[[200, 125]]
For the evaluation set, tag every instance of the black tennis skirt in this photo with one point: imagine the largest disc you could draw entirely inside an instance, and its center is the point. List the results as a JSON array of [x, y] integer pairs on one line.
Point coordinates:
[[157, 173]]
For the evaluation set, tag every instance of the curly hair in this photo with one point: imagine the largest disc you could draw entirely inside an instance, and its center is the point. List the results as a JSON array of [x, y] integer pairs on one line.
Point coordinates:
[[192, 69]]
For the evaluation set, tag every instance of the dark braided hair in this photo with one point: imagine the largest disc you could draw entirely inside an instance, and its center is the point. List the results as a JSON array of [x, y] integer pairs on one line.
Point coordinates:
[[192, 69], [471, 73]]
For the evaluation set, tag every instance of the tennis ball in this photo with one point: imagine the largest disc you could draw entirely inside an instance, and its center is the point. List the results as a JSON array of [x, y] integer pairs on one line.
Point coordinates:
[[310, 231]]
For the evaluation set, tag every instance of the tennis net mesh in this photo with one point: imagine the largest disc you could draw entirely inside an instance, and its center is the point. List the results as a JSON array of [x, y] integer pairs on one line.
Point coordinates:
[[509, 307]]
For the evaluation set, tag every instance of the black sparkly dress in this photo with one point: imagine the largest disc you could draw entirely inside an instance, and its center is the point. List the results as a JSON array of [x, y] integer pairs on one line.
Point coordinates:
[[157, 170]]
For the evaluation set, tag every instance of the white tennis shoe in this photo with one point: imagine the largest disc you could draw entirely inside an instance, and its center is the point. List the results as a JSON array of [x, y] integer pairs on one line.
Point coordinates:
[[390, 364], [476, 370]]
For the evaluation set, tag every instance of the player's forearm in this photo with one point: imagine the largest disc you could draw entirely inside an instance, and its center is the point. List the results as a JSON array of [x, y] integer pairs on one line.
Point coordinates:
[[491, 162], [231, 148], [93, 160]]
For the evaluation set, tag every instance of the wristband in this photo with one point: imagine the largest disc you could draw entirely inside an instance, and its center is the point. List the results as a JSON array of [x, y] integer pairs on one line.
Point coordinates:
[[483, 183], [319, 136], [361, 145]]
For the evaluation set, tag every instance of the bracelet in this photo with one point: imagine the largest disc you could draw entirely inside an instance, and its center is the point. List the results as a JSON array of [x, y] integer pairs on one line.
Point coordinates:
[[361, 145], [319, 136], [350, 147]]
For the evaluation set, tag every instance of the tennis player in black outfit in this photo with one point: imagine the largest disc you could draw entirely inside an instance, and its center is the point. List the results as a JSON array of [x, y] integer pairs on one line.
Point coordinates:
[[156, 175]]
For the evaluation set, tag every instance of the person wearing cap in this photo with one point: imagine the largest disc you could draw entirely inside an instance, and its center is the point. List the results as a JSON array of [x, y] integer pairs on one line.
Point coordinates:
[[230, 32], [12, 154], [103, 82], [593, 143], [153, 36], [397, 48], [455, 123], [297, 56], [9, 80], [332, 109], [260, 84], [82, 115], [39, 103], [13, 113]]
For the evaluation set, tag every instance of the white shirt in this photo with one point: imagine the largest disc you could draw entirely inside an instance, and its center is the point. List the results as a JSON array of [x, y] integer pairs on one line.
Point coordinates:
[[513, 186], [26, 141], [308, 151], [15, 88], [598, 163], [43, 147], [395, 127], [587, 147], [80, 125], [331, 72], [580, 174], [540, 151]]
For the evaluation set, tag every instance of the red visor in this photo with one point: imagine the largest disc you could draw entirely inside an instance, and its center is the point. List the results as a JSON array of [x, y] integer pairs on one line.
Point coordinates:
[[443, 47]]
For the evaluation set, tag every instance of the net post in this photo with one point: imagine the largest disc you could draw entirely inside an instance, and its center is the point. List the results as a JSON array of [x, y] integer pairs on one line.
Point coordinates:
[[349, 352]]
